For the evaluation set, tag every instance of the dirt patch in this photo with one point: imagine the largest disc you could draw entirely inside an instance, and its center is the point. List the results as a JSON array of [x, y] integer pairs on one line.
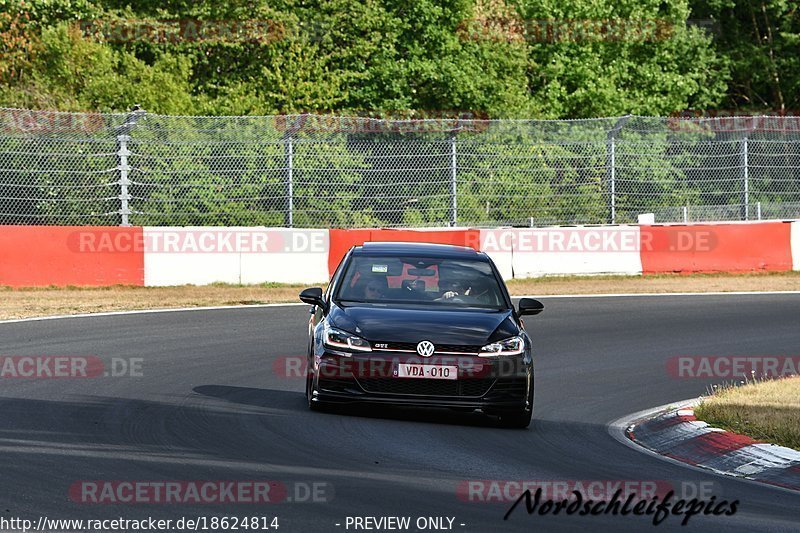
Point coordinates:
[[32, 302], [662, 283], [24, 303]]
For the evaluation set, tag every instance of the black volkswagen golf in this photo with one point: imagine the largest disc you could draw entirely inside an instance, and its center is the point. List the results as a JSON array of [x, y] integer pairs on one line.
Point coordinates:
[[422, 325]]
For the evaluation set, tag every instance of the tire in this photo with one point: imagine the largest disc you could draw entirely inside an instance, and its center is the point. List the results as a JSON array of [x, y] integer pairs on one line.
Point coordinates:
[[309, 380], [519, 419], [318, 405], [314, 406]]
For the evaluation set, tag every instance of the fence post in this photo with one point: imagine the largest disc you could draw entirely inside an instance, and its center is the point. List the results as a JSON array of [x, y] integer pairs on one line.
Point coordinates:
[[288, 150], [123, 168], [611, 167], [123, 136], [746, 178], [453, 180], [612, 183]]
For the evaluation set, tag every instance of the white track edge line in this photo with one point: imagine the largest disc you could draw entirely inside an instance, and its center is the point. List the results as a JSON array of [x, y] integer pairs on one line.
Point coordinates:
[[647, 294], [292, 304], [143, 311]]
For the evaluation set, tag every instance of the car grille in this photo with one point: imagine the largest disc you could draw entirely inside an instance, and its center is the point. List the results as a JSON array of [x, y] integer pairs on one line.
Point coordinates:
[[334, 385], [510, 387], [439, 348], [469, 388]]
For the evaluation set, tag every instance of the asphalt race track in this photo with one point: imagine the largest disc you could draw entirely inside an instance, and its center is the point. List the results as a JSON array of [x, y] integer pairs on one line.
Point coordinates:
[[210, 406]]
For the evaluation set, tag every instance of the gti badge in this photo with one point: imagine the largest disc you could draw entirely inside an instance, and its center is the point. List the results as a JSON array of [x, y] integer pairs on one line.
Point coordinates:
[[425, 348]]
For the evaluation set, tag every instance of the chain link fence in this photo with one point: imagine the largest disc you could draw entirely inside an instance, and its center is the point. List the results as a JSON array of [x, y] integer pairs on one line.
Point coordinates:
[[331, 171]]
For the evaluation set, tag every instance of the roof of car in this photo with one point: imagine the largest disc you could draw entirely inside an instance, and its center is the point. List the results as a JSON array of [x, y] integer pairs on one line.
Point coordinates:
[[416, 248]]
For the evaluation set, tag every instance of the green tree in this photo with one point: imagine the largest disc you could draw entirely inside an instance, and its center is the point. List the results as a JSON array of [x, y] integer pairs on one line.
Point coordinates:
[[760, 39], [606, 58]]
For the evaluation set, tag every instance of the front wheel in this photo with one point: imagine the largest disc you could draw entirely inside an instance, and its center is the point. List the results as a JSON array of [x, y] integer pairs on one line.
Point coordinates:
[[314, 406], [519, 419]]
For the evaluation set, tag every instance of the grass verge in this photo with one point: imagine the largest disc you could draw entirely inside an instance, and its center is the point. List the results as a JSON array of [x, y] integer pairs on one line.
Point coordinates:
[[763, 410], [44, 301]]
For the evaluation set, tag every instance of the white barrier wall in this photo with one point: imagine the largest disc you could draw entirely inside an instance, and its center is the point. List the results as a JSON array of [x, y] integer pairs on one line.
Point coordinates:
[[526, 253], [498, 244], [251, 255], [303, 259], [246, 255]]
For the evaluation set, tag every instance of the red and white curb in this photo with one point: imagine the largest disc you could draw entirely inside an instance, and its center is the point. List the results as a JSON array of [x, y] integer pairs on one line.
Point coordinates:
[[675, 433]]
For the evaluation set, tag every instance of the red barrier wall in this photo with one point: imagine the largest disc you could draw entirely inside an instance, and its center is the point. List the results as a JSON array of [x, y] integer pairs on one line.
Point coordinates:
[[342, 240], [51, 255], [101, 256], [748, 247]]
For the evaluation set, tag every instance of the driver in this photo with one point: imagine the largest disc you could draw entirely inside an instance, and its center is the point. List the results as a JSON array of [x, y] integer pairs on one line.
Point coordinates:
[[451, 288]]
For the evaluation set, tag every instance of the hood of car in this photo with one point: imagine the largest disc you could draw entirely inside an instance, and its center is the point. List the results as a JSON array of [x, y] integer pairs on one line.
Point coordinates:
[[377, 323]]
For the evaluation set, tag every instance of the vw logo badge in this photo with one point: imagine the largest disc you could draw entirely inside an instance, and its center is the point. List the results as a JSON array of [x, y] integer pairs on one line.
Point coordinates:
[[425, 348]]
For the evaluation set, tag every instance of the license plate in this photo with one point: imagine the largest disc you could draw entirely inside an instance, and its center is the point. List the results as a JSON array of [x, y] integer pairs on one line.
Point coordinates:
[[404, 370]]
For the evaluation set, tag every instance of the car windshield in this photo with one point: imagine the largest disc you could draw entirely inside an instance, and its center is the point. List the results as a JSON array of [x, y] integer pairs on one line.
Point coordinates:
[[421, 280]]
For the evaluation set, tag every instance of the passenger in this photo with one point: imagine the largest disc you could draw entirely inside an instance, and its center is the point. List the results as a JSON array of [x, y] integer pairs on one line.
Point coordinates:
[[375, 288]]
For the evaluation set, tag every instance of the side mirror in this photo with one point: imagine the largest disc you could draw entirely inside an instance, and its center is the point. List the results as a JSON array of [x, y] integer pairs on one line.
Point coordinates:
[[313, 296], [529, 306]]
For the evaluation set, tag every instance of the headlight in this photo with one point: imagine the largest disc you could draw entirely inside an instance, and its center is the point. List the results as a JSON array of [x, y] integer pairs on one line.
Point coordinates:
[[510, 346], [341, 340]]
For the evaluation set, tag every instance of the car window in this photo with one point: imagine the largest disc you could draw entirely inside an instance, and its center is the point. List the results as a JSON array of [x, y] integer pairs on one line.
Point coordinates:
[[334, 277], [420, 280]]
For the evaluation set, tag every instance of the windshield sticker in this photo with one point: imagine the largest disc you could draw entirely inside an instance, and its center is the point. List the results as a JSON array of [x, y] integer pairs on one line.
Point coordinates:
[[380, 268]]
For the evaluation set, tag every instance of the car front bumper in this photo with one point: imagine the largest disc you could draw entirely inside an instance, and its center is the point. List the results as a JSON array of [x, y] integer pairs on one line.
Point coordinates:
[[491, 384]]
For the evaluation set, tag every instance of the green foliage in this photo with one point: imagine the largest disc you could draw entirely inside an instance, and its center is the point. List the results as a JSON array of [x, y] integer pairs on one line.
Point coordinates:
[[760, 39], [517, 175], [637, 58], [73, 73], [337, 55]]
